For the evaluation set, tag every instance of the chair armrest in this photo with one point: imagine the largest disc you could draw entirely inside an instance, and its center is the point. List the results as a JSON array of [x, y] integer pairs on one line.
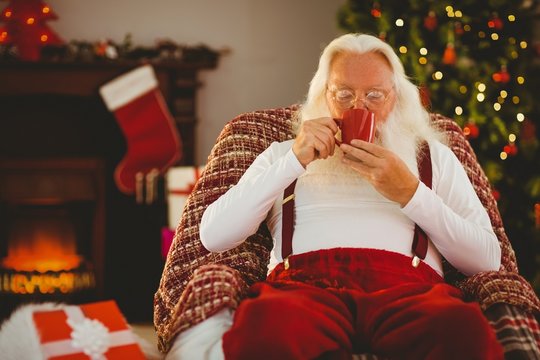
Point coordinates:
[[492, 287]]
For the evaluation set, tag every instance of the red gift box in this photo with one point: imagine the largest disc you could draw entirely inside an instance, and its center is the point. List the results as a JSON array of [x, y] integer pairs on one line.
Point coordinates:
[[91, 331]]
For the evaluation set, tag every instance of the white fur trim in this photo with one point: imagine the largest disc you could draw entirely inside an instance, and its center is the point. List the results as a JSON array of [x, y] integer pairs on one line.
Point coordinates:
[[125, 88]]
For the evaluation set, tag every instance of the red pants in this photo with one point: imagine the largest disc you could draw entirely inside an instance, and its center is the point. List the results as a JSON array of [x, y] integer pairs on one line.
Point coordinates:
[[332, 303]]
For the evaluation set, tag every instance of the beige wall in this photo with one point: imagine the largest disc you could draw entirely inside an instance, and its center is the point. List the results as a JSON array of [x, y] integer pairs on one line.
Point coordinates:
[[275, 46]]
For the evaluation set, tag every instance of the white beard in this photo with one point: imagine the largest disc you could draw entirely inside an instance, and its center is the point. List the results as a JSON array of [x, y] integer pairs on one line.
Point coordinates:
[[390, 135]]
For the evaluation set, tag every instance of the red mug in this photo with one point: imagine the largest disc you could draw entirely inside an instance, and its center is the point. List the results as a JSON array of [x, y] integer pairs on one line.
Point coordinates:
[[356, 124]]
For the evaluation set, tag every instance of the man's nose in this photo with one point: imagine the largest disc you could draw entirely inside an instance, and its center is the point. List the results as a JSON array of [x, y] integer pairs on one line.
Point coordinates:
[[359, 104]]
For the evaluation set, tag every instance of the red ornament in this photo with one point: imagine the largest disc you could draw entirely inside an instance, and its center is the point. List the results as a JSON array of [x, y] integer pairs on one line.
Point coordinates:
[[471, 131], [376, 10], [449, 56], [496, 194], [511, 149], [528, 131], [458, 28], [430, 21], [495, 23], [26, 29], [501, 76]]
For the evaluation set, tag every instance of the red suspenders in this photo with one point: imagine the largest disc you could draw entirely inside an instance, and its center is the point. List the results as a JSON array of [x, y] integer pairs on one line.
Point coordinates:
[[420, 241]]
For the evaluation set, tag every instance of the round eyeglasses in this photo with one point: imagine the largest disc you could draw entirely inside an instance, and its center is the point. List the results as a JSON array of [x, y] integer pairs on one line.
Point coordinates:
[[346, 98]]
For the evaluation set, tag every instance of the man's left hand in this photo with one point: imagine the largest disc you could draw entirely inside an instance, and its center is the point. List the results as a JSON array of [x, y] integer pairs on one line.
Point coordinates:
[[383, 169]]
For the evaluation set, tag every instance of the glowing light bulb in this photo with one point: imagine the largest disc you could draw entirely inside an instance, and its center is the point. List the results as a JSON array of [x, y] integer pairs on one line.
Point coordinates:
[[511, 18], [458, 110], [46, 10], [437, 75], [512, 137], [30, 21], [520, 80], [463, 89], [497, 106], [495, 36], [423, 51], [481, 34], [403, 49], [422, 60], [504, 94], [515, 99], [8, 13], [523, 44], [480, 97], [44, 38], [503, 155], [458, 13], [520, 117], [467, 27], [400, 22], [481, 87]]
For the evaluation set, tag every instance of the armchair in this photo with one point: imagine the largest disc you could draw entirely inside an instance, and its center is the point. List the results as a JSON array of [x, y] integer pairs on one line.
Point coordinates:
[[196, 284]]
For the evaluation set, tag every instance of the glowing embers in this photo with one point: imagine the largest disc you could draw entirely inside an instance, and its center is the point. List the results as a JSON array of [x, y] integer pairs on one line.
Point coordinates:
[[42, 254]]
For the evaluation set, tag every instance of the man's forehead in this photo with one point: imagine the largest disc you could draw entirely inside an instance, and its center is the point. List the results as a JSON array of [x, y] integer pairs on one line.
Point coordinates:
[[360, 70]]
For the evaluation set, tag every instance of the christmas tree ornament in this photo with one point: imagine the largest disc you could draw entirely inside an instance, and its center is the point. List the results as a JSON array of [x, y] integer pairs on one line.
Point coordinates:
[[495, 22], [511, 149], [153, 142], [430, 21], [471, 131], [25, 28], [376, 10], [501, 76], [449, 56]]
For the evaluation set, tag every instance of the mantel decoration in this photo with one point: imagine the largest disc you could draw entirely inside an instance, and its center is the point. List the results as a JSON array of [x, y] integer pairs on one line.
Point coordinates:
[[24, 36]]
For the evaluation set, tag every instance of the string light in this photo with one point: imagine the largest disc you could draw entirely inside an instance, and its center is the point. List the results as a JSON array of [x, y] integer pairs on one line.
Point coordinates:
[[458, 110], [512, 40], [422, 60], [504, 94], [515, 99], [3, 36], [467, 27], [463, 89], [458, 13], [437, 75], [400, 22], [423, 51], [481, 87], [514, 55], [44, 38], [480, 97], [497, 106], [403, 49], [511, 18], [503, 155], [523, 44], [520, 117], [494, 36], [8, 13], [30, 20], [520, 80], [481, 34], [45, 9], [512, 138]]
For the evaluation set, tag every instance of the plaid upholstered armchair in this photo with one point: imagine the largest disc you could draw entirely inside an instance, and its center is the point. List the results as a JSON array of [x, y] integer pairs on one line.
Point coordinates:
[[196, 284]]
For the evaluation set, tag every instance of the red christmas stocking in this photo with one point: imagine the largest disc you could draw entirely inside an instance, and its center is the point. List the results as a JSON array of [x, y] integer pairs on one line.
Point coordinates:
[[153, 142]]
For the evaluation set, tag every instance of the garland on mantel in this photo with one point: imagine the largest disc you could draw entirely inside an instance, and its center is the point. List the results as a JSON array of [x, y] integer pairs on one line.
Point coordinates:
[[109, 51]]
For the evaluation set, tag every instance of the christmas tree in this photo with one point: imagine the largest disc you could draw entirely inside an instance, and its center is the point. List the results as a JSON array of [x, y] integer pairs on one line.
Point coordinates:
[[475, 62], [25, 27]]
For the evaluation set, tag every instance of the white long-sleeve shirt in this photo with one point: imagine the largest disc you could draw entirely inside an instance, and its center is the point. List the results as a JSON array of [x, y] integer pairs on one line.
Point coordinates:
[[341, 216]]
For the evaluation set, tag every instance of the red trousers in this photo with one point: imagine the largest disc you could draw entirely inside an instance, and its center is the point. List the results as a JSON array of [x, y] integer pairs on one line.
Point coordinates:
[[333, 303]]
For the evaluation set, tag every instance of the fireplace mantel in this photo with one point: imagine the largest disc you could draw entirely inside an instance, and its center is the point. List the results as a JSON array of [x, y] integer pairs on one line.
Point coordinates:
[[178, 82]]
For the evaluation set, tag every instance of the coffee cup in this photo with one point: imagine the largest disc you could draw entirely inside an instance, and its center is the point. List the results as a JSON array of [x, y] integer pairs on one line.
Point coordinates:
[[356, 124]]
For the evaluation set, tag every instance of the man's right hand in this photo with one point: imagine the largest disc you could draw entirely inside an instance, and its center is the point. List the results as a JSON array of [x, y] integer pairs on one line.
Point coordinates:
[[315, 140]]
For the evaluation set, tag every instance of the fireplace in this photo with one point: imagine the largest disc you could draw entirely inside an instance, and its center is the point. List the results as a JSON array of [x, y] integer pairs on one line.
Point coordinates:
[[52, 217], [59, 147]]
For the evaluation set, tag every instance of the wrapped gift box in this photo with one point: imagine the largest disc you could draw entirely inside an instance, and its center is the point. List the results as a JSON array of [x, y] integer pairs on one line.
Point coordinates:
[[180, 182], [91, 331]]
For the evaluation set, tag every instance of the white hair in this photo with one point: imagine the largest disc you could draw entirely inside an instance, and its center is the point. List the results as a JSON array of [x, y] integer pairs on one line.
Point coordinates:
[[413, 117]]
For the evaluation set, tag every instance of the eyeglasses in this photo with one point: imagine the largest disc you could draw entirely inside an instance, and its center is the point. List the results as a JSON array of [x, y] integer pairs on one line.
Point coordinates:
[[346, 98]]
